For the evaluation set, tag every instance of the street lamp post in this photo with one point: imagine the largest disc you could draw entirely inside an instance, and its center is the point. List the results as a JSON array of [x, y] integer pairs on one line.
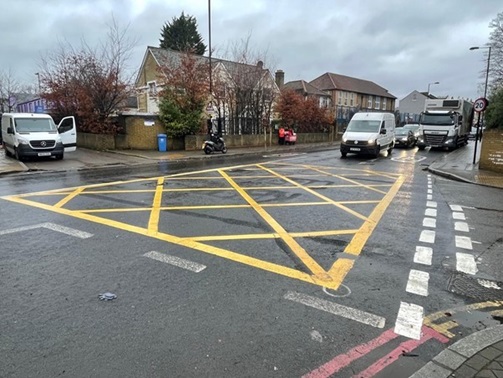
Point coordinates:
[[38, 79], [485, 94], [436, 82]]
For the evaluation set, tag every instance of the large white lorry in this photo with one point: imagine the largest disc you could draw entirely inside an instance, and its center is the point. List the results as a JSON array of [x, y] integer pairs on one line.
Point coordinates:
[[445, 123]]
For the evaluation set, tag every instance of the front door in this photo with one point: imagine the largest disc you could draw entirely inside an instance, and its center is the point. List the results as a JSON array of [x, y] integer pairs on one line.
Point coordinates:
[[68, 133]]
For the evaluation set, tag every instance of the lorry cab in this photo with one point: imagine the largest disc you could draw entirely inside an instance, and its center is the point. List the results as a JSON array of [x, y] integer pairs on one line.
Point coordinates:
[[36, 135], [369, 133]]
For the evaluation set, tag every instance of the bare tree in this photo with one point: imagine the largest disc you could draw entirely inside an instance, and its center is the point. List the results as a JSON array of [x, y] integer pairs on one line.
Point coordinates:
[[88, 82], [247, 89], [496, 43], [9, 89]]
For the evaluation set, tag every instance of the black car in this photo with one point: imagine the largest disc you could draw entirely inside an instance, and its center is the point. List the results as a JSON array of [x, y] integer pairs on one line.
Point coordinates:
[[404, 137]]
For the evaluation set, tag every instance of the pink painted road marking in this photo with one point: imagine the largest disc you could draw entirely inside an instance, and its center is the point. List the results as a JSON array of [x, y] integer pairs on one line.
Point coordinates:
[[341, 361], [406, 346]]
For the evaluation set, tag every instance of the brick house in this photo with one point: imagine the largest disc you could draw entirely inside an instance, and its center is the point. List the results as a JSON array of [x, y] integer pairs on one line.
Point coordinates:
[[243, 94], [349, 95], [307, 90]]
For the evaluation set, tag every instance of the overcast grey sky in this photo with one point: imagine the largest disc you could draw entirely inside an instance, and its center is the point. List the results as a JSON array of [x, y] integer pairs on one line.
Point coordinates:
[[401, 45]]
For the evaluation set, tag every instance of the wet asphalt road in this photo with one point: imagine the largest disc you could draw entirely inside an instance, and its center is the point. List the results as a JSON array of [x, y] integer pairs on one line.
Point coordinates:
[[235, 317]]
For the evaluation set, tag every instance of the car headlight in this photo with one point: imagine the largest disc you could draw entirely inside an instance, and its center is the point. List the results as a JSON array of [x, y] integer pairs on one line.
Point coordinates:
[[344, 140], [404, 139], [371, 141], [23, 141]]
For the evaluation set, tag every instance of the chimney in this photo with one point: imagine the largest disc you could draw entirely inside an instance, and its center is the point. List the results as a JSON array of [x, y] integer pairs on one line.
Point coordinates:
[[260, 64], [280, 78]]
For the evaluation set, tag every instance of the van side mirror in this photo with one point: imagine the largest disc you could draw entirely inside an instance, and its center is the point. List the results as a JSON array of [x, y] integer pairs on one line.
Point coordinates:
[[383, 131], [9, 130]]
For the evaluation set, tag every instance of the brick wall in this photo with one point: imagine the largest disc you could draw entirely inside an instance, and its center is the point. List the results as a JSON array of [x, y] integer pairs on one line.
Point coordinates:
[[491, 152]]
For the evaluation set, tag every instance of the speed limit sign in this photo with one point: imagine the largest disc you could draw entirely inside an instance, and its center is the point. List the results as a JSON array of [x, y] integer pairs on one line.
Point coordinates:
[[480, 104]]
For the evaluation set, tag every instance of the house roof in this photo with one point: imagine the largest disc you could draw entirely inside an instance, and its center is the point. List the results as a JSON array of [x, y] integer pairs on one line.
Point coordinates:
[[235, 69], [332, 81], [305, 87], [430, 96]]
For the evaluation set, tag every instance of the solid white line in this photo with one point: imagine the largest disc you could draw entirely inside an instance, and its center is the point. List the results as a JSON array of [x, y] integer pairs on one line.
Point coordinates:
[[459, 216], [423, 255], [50, 226], [430, 222], [418, 282], [465, 263], [461, 226], [430, 212], [429, 197], [431, 204], [456, 208], [176, 261], [427, 236], [464, 242], [409, 320], [337, 309], [430, 191]]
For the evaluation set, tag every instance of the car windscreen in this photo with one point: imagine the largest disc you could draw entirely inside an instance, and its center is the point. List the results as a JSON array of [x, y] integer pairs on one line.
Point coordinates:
[[412, 128], [34, 125], [437, 119], [364, 126], [401, 132]]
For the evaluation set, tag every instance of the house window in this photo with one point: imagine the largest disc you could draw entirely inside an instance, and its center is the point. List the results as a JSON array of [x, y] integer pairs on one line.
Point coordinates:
[[414, 97], [351, 99], [345, 98], [378, 102], [384, 103], [339, 95], [369, 104], [152, 89]]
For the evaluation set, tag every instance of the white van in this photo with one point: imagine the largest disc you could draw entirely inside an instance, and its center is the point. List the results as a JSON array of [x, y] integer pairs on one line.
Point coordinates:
[[369, 133], [34, 135]]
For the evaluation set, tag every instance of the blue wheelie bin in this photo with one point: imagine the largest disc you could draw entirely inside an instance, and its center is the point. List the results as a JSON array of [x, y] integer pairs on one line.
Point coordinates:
[[162, 140]]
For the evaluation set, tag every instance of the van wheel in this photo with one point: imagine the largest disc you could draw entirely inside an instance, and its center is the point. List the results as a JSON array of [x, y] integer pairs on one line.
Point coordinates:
[[343, 154], [378, 151], [7, 152], [60, 156], [17, 155]]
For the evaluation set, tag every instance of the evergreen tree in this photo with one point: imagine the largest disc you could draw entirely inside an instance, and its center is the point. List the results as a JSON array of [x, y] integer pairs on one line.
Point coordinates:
[[181, 34]]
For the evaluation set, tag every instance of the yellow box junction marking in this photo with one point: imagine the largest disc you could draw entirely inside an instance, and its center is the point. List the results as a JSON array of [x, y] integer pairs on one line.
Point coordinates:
[[280, 171]]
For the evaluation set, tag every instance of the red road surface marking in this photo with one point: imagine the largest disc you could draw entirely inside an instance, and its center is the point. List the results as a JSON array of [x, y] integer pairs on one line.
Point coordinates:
[[341, 361], [406, 346]]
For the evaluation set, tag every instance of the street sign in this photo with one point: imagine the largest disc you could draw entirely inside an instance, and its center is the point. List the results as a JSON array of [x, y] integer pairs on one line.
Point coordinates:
[[480, 104]]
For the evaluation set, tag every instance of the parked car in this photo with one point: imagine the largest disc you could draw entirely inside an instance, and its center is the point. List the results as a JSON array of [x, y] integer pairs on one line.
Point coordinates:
[[404, 137], [415, 128]]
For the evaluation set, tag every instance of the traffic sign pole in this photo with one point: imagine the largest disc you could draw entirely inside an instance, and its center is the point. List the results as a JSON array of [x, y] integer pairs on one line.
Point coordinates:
[[479, 106]]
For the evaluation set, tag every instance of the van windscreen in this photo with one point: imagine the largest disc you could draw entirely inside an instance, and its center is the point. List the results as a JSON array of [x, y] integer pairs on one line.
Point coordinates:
[[364, 126], [33, 125]]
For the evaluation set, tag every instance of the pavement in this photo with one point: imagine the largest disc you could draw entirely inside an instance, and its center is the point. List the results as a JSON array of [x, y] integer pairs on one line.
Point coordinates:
[[477, 355]]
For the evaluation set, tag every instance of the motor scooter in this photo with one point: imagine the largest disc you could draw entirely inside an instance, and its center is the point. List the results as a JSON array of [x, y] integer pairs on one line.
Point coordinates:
[[215, 144]]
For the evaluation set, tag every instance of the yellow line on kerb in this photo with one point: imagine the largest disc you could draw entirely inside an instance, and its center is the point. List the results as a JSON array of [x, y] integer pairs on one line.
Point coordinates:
[[69, 197], [153, 222], [307, 260], [251, 261]]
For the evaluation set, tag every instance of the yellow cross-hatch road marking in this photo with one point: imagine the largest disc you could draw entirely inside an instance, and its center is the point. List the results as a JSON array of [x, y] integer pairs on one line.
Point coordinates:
[[282, 176]]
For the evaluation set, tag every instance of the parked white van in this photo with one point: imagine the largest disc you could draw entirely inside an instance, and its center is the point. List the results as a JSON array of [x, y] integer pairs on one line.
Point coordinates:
[[33, 135], [369, 133]]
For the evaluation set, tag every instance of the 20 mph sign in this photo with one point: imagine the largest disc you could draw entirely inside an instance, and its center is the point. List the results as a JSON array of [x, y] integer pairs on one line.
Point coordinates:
[[480, 104]]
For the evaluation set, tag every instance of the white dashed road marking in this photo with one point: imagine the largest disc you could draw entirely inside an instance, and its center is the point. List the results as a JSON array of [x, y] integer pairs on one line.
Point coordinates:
[[409, 320], [427, 236], [464, 242], [418, 282], [337, 309], [461, 226], [465, 263], [50, 226], [456, 208], [459, 216], [430, 222], [431, 204], [430, 213], [176, 261], [423, 255]]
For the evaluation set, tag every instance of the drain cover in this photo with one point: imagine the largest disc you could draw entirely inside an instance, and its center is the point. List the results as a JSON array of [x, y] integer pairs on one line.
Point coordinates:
[[476, 288]]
